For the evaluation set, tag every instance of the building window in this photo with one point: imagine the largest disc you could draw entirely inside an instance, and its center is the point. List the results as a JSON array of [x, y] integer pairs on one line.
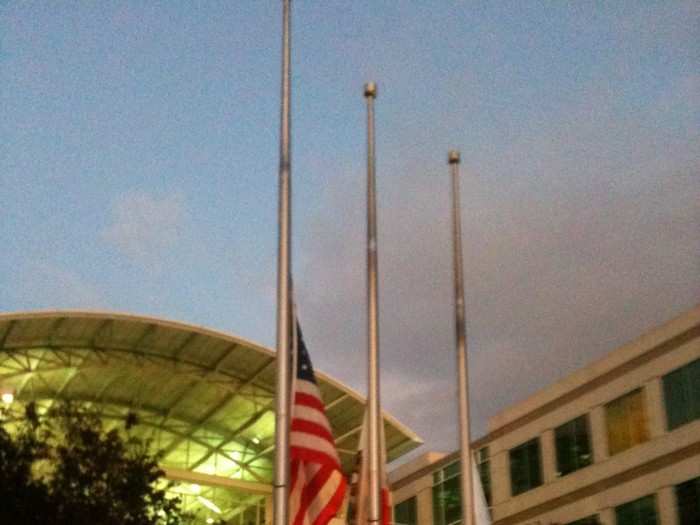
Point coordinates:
[[626, 421], [483, 463], [682, 395], [688, 502], [641, 511], [573, 444], [448, 472], [525, 467], [588, 520], [447, 501], [405, 513]]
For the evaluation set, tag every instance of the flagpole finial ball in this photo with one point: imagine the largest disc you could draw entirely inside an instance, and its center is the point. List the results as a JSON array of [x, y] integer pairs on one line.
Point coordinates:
[[371, 89], [453, 157]]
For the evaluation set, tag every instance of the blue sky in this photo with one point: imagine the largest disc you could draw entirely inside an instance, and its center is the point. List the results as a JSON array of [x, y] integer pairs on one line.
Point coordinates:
[[139, 156]]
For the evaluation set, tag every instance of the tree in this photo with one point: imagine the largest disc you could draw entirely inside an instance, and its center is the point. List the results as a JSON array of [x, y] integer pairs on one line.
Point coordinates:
[[67, 470]]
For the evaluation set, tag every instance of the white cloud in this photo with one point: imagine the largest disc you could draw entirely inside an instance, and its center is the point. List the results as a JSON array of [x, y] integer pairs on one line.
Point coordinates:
[[45, 285], [144, 227], [577, 239]]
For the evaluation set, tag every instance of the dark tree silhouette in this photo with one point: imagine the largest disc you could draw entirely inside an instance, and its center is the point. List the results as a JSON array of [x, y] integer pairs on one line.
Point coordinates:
[[67, 470]]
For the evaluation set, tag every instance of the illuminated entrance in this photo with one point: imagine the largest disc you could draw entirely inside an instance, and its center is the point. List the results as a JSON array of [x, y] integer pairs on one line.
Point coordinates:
[[205, 399]]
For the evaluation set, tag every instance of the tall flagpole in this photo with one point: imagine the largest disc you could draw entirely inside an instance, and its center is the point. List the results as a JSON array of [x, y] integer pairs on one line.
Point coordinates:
[[282, 405], [375, 507], [462, 369]]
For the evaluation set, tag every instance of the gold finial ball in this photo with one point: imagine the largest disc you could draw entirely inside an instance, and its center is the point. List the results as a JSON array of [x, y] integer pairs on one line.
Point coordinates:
[[371, 89], [453, 157]]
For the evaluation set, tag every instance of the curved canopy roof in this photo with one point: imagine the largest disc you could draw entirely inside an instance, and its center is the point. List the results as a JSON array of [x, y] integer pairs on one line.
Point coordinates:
[[204, 398]]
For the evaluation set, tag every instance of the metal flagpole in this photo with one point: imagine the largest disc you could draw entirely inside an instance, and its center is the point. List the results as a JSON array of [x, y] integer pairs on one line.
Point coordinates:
[[375, 507], [462, 369], [282, 405]]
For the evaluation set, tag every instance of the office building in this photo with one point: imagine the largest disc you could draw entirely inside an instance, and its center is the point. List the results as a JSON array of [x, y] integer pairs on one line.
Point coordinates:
[[614, 443]]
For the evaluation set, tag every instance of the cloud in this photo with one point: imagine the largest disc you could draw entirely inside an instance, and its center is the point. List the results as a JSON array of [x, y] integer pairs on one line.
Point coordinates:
[[144, 227], [46, 285], [577, 239]]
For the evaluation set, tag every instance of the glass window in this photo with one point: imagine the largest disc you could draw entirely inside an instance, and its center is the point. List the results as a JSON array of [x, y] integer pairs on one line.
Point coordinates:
[[626, 422], [641, 511], [682, 395], [447, 472], [589, 520], [451, 470], [405, 513], [573, 444], [688, 502], [525, 467], [447, 505], [483, 466]]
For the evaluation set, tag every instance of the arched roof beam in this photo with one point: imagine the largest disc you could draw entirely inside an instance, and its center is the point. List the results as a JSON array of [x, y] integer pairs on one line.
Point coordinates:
[[183, 436], [175, 474], [186, 391], [139, 355], [10, 326], [247, 424], [227, 436], [152, 411], [216, 408]]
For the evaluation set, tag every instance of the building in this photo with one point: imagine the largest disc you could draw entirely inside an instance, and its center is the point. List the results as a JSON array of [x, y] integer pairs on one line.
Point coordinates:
[[205, 399], [617, 442]]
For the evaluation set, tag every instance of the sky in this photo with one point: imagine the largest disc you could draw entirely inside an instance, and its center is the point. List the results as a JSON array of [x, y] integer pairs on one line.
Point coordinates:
[[139, 155]]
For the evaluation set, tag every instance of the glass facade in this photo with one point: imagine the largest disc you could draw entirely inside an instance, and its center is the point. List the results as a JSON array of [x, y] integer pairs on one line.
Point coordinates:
[[447, 502], [688, 502], [573, 445], [682, 395], [626, 422], [406, 512], [641, 511], [626, 425], [525, 467]]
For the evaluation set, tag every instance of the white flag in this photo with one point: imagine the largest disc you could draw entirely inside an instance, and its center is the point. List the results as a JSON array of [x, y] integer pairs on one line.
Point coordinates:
[[481, 508]]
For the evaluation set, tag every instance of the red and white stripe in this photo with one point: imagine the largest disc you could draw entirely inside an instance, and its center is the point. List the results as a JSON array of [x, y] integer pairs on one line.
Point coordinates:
[[361, 510], [317, 482]]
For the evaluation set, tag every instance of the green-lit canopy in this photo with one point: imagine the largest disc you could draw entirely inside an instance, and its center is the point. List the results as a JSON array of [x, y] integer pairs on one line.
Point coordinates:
[[204, 398]]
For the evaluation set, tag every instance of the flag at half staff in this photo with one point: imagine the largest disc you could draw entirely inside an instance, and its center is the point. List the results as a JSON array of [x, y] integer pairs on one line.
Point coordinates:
[[359, 514], [481, 507], [317, 486]]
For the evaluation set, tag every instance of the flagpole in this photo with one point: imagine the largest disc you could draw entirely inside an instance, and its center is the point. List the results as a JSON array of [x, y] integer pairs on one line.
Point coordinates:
[[462, 369], [372, 318], [282, 401]]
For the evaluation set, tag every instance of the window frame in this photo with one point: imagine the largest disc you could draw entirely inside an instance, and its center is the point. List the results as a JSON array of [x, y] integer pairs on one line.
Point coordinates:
[[635, 506], [624, 403], [413, 502], [581, 460], [446, 475], [530, 444], [693, 483], [681, 380]]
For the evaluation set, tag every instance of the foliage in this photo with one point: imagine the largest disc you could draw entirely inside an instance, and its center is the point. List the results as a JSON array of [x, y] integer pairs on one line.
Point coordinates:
[[67, 470]]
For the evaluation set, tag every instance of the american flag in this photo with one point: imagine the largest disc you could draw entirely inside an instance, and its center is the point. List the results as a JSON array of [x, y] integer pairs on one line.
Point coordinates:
[[359, 499], [317, 482]]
